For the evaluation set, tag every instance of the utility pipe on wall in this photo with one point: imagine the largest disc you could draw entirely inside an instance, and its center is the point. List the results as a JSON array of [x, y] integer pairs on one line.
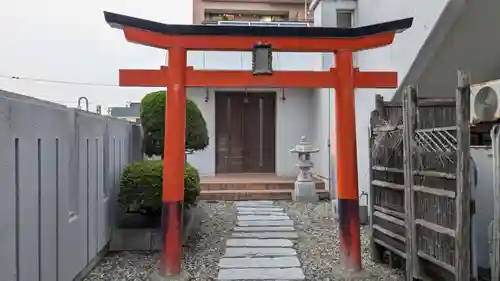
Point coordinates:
[[312, 6]]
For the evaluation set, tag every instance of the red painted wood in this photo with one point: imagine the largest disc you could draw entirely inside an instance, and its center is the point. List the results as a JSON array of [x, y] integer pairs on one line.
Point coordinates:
[[347, 166], [245, 79], [246, 43], [175, 123]]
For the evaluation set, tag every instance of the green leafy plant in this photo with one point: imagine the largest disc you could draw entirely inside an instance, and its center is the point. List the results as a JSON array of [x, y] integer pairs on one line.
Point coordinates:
[[141, 187], [153, 124]]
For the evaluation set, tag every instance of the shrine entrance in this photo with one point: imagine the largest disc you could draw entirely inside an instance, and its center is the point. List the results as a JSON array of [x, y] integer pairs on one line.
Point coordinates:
[[245, 132], [262, 41]]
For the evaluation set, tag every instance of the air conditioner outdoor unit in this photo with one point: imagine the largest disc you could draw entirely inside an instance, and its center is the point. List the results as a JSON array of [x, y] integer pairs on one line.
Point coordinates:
[[485, 102]]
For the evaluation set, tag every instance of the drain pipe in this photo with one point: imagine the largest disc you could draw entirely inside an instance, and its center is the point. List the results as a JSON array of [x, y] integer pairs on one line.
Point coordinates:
[[313, 6]]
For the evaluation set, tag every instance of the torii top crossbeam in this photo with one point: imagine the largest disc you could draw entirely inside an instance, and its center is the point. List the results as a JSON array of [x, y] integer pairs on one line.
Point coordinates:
[[243, 38], [284, 39]]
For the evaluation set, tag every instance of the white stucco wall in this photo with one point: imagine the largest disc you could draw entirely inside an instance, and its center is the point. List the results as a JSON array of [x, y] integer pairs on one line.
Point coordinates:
[[293, 116], [401, 54], [243, 60], [397, 57], [292, 122], [320, 121], [312, 114]]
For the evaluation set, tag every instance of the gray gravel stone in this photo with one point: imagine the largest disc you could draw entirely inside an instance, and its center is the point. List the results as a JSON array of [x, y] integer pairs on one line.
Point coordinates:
[[263, 228], [261, 213], [265, 223], [254, 203], [318, 244], [274, 262], [201, 254], [259, 243], [259, 252], [133, 266], [261, 274], [259, 218], [260, 209], [265, 235], [317, 249]]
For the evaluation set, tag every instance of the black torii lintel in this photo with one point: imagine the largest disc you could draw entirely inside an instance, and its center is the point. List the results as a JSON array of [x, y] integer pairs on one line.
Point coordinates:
[[121, 21]]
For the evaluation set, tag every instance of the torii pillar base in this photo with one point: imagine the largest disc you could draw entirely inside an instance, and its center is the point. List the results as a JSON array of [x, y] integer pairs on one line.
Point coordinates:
[[155, 276]]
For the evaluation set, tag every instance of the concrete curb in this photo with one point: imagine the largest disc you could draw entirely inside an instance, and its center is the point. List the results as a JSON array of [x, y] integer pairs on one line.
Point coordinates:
[[148, 239]]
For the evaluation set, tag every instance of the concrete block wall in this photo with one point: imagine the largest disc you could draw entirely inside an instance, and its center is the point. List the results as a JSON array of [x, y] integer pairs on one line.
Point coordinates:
[[59, 178]]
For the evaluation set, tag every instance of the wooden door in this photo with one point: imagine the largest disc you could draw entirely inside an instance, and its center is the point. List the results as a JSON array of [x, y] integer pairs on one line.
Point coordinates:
[[245, 132]]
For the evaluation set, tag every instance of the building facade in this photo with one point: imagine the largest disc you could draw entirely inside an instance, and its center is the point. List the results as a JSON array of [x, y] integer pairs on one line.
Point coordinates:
[[131, 112], [249, 10], [252, 130]]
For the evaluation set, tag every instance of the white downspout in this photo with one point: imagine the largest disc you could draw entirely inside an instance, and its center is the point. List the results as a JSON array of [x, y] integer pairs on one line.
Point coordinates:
[[313, 6]]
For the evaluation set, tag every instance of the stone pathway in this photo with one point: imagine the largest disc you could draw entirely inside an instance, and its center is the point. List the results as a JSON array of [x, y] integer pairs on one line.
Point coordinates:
[[261, 245]]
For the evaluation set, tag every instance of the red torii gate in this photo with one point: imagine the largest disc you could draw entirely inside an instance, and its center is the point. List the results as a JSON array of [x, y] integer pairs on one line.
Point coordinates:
[[178, 39]]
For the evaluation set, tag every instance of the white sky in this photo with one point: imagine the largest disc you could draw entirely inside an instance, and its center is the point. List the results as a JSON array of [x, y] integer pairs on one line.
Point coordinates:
[[69, 40]]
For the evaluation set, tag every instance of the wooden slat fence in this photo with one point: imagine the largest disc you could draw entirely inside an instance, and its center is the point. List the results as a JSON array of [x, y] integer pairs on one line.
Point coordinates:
[[420, 195]]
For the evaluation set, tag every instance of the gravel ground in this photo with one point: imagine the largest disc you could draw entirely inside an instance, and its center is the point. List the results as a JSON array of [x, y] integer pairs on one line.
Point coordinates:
[[318, 245], [201, 255]]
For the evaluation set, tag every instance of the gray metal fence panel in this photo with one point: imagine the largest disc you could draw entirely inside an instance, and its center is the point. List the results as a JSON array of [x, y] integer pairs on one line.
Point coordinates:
[[8, 206], [57, 186]]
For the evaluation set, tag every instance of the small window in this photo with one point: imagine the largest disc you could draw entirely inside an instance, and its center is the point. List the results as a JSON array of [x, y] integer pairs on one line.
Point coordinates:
[[211, 16], [345, 19]]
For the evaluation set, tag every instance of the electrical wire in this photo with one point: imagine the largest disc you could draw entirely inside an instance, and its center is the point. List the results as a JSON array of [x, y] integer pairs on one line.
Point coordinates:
[[66, 82]]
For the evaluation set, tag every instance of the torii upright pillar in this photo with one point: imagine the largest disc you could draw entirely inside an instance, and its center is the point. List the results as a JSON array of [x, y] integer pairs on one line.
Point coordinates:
[[347, 169], [178, 39], [173, 168]]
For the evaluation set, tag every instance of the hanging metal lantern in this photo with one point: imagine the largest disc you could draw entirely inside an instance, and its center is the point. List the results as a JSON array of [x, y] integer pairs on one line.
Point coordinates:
[[262, 59]]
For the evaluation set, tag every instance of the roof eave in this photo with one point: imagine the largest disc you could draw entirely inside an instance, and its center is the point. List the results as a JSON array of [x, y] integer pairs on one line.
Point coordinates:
[[120, 21]]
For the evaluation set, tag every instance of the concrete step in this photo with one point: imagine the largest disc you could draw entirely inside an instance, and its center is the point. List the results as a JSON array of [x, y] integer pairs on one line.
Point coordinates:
[[235, 195], [259, 262], [254, 185], [293, 273], [249, 252]]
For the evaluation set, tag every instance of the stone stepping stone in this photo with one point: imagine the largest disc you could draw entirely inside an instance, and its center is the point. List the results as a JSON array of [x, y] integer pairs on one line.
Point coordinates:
[[259, 243], [259, 209], [254, 203], [280, 262], [263, 228], [294, 273], [266, 235], [258, 218], [259, 252], [265, 223], [261, 213]]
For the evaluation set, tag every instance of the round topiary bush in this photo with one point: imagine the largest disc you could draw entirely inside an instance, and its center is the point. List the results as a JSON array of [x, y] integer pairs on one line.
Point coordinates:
[[153, 124], [192, 186], [141, 187]]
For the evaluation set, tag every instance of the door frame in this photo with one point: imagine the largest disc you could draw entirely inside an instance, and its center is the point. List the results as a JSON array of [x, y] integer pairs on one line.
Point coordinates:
[[213, 93]]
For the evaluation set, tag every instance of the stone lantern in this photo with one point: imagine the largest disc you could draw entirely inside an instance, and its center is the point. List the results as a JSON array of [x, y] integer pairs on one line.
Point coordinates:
[[305, 188]]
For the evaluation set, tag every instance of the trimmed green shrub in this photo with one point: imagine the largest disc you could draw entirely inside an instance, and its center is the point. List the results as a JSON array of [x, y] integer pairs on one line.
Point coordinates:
[[153, 124], [141, 187]]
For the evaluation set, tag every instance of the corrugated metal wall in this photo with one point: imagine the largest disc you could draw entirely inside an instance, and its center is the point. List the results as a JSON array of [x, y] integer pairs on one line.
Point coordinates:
[[59, 178]]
